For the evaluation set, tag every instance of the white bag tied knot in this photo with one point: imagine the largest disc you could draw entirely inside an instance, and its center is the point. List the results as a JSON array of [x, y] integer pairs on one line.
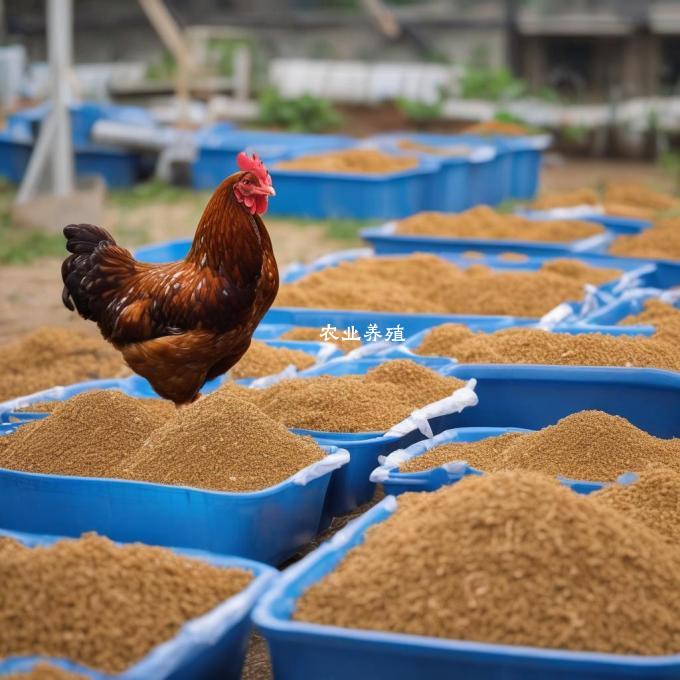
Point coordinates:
[[419, 419]]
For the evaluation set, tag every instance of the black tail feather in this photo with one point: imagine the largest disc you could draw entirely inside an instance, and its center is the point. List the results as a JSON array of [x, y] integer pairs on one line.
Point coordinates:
[[81, 240]]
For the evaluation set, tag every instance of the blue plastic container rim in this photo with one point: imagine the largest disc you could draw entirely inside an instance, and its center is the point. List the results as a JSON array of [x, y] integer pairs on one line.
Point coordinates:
[[272, 615], [588, 216], [163, 659], [612, 375]]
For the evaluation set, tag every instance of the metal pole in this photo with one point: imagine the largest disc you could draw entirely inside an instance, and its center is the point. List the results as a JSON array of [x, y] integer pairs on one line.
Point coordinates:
[[53, 147], [59, 22]]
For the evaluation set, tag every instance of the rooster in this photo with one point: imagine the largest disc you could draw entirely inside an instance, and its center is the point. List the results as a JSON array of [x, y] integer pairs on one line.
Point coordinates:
[[183, 323]]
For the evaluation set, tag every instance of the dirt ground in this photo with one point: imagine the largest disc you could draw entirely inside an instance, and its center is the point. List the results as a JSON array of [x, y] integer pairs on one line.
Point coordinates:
[[32, 293]]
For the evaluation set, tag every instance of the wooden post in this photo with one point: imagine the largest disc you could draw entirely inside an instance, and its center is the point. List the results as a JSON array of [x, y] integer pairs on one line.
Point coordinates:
[[171, 35]]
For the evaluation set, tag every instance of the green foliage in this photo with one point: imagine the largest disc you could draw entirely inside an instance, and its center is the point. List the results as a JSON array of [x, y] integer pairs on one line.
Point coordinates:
[[548, 94], [221, 51], [493, 84], [344, 230], [163, 68], [300, 114], [420, 112], [507, 117], [149, 192], [338, 229], [574, 134], [670, 162], [19, 245]]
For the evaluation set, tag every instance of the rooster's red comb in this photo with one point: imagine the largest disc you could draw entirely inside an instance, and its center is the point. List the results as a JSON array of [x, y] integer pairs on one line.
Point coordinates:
[[255, 165]]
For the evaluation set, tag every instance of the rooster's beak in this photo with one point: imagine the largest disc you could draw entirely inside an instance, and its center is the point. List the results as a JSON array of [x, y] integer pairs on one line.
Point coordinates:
[[266, 189]]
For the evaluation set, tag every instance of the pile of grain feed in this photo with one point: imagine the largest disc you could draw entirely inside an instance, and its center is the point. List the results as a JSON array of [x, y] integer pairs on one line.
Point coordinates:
[[362, 161], [588, 445], [55, 356], [534, 346], [510, 558], [103, 605], [373, 402], [483, 222], [426, 283]]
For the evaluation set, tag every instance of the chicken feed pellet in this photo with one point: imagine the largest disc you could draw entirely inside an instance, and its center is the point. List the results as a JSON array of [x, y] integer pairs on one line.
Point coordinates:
[[262, 359], [84, 436], [370, 161], [533, 346], [373, 402], [653, 499], [661, 241], [222, 443], [589, 445], [55, 356], [102, 605], [425, 283], [483, 222], [510, 558]]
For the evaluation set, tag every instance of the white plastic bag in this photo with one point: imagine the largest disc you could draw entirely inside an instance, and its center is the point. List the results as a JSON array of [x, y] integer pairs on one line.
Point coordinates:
[[419, 419], [331, 462], [555, 316], [288, 372]]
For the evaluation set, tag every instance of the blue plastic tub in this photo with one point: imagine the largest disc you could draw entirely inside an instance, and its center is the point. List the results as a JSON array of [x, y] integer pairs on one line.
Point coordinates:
[[302, 650], [616, 225], [395, 482], [634, 273], [15, 152], [321, 195], [478, 175], [83, 117], [218, 147], [414, 342], [268, 525], [350, 486], [631, 303], [117, 168], [212, 645], [527, 157], [533, 397], [489, 167], [384, 240]]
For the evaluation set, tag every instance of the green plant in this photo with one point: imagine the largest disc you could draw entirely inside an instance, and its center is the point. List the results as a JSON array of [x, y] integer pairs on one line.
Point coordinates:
[[493, 84], [154, 190], [299, 114], [163, 68], [574, 134], [19, 245], [670, 162], [421, 112], [507, 117]]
